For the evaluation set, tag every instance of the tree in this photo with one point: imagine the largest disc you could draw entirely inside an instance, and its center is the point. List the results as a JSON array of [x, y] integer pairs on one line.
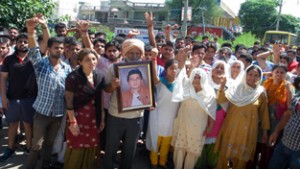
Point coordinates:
[[289, 23], [257, 16], [212, 9], [14, 12]]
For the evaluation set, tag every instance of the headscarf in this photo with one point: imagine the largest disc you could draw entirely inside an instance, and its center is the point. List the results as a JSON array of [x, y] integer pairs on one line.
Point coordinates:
[[217, 86], [242, 94], [210, 79], [129, 44], [184, 90], [239, 76]]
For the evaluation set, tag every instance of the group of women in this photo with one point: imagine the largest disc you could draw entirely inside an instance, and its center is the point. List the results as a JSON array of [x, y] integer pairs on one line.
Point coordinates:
[[224, 117]]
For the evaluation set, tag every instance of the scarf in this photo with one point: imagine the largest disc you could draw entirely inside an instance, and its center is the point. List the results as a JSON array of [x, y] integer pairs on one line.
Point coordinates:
[[216, 86], [239, 76], [164, 81], [242, 94], [276, 92], [184, 90]]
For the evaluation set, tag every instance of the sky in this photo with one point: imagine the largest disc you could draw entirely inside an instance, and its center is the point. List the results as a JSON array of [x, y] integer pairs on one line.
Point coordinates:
[[289, 6]]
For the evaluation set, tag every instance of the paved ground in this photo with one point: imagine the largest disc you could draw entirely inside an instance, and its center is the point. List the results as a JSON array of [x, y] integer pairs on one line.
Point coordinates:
[[19, 159]]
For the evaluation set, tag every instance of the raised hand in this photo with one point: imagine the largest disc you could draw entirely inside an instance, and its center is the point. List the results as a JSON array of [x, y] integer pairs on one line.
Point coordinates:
[[168, 29], [154, 53], [223, 82], [31, 24], [82, 25], [277, 50], [175, 27], [41, 20], [183, 53], [133, 32], [149, 19]]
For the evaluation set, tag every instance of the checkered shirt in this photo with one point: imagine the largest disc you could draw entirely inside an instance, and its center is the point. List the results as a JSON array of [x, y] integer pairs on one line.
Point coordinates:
[[291, 134], [51, 85]]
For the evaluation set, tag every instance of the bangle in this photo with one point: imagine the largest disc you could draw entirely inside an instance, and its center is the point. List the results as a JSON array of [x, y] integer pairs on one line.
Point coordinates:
[[73, 122], [70, 108]]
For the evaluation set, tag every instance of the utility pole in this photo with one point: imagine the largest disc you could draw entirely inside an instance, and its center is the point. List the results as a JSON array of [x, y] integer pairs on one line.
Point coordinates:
[[279, 13], [184, 25], [203, 21]]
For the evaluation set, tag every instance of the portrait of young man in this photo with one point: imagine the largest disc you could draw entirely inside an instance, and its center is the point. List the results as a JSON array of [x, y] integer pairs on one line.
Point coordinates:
[[135, 92]]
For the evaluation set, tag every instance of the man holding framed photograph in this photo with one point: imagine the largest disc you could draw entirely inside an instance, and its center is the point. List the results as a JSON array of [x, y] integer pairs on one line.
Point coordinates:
[[125, 126]]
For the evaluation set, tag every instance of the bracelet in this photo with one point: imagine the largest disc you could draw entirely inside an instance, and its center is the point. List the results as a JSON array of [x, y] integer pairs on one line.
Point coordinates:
[[70, 108], [73, 122], [84, 31], [44, 27]]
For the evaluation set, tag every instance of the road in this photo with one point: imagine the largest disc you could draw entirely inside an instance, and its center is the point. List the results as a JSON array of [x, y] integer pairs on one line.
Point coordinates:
[[19, 159]]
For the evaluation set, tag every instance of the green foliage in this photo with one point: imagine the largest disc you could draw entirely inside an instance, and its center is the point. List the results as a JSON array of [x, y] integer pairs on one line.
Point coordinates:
[[14, 12], [212, 9], [246, 39], [97, 27], [289, 23], [257, 16]]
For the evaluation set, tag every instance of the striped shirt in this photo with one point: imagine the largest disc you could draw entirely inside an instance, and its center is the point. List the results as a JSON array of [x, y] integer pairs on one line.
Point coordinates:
[[51, 84]]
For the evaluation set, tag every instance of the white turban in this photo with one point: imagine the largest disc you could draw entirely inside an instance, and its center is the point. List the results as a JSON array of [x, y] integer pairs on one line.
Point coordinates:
[[129, 44]]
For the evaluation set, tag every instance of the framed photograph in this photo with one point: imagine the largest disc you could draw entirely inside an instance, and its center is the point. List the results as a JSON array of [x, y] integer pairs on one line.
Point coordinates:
[[136, 86]]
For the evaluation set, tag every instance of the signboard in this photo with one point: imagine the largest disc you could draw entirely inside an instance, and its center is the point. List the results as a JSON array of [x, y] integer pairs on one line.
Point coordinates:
[[189, 13], [143, 33]]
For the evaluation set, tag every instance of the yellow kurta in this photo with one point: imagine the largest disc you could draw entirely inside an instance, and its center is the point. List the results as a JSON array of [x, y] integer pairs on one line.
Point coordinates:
[[238, 134]]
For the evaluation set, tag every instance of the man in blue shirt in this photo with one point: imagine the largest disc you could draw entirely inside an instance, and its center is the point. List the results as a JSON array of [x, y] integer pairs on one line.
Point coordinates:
[[51, 73]]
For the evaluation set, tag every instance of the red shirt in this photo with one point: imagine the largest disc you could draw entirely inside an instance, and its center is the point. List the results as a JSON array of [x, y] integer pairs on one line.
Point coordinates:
[[292, 66], [161, 61]]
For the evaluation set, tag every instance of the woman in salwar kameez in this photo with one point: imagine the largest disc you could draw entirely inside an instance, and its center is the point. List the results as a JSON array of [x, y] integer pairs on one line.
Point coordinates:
[[83, 100], [238, 134], [195, 116]]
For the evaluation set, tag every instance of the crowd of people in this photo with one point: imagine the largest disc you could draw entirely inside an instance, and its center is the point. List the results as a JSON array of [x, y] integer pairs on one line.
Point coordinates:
[[214, 107]]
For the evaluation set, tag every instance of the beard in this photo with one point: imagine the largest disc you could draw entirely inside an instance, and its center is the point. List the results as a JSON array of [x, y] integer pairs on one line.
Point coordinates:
[[22, 49], [56, 55]]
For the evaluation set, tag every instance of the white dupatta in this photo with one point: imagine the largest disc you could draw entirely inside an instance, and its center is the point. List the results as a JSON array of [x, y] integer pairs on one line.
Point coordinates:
[[241, 93], [184, 90]]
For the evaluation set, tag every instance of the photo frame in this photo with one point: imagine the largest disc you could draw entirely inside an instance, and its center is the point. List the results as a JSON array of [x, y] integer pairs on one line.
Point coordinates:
[[136, 91]]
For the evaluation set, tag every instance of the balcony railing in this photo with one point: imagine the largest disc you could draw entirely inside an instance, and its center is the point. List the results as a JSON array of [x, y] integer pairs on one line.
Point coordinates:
[[132, 22], [95, 8], [139, 4]]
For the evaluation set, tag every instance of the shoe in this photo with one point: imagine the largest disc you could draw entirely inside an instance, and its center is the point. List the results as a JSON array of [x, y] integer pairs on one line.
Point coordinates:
[[7, 154], [140, 143], [58, 165], [26, 151], [163, 166], [154, 167]]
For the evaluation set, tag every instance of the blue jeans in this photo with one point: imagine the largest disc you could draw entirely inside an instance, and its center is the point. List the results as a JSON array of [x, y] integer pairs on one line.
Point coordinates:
[[284, 157]]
